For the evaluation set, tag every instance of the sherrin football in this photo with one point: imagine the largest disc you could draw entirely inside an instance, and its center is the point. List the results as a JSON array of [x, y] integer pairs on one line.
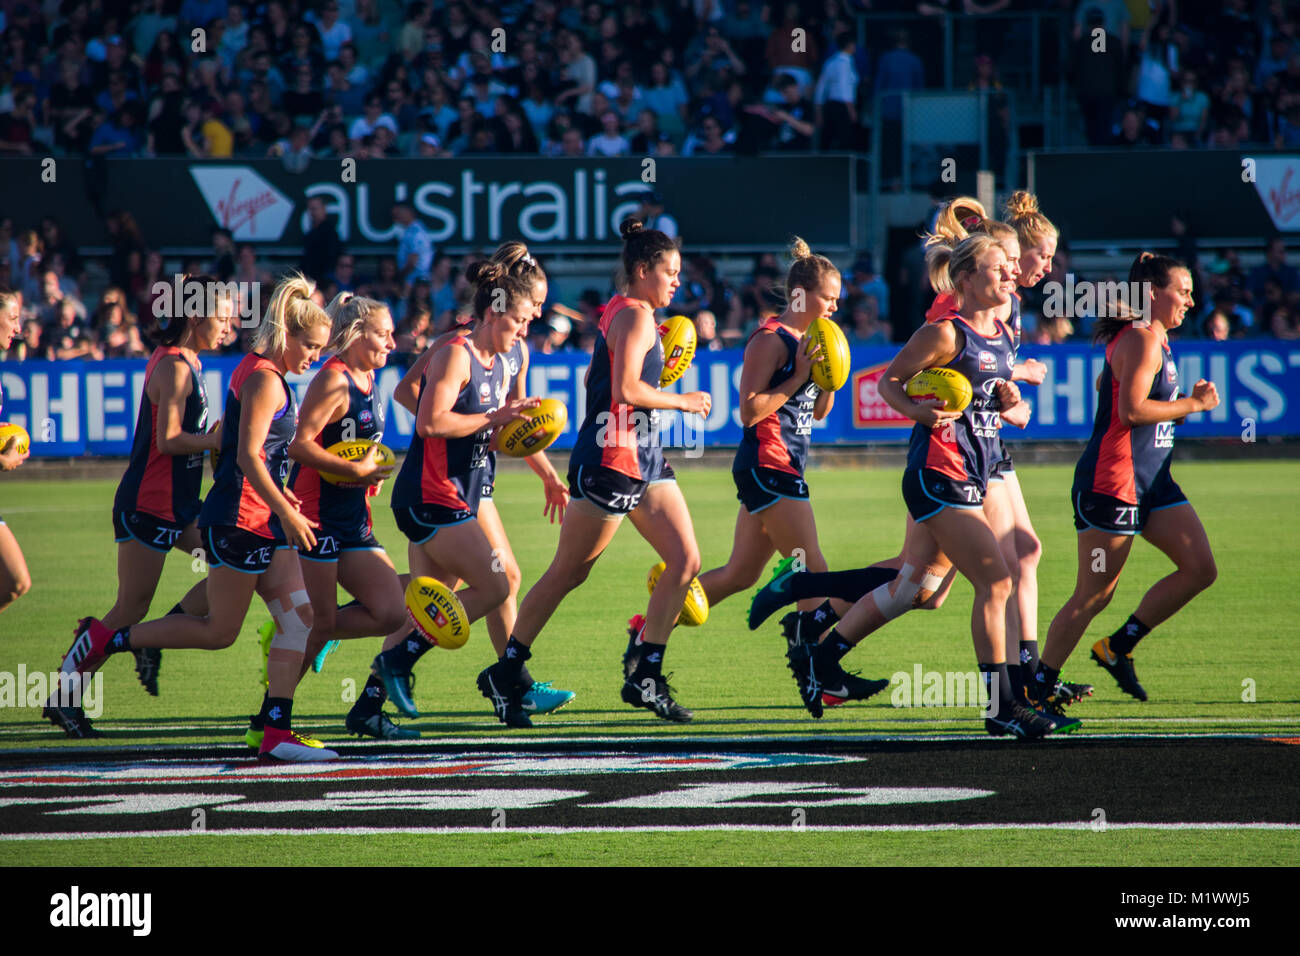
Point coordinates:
[[8, 431], [527, 436], [678, 337], [831, 371], [437, 613], [945, 383], [355, 451], [695, 609]]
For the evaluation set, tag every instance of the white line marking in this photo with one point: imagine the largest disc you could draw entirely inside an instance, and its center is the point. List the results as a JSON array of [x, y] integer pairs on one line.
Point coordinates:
[[561, 831]]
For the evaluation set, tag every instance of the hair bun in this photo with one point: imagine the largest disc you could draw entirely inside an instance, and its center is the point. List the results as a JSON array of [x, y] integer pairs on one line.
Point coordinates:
[[630, 227], [1145, 256]]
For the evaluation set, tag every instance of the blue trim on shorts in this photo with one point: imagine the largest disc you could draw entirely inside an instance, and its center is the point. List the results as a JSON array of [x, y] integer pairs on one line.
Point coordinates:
[[1176, 504], [215, 562], [1078, 510], [940, 502]]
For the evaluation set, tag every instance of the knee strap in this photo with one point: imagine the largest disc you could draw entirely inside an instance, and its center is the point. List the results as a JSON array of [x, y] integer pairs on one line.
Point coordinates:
[[290, 629], [905, 591]]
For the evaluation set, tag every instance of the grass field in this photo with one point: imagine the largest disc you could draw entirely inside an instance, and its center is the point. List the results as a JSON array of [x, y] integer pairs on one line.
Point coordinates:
[[1234, 642]]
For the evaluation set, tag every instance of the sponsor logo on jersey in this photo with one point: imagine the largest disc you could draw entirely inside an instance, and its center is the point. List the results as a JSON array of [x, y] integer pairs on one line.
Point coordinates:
[[988, 361], [484, 392], [1171, 372], [365, 417]]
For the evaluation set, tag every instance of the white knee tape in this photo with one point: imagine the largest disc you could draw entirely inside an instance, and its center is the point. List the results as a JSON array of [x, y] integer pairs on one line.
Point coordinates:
[[931, 582], [291, 631], [900, 601]]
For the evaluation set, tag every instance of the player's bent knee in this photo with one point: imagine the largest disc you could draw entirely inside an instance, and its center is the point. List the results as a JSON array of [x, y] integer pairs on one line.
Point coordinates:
[[219, 637], [391, 619]]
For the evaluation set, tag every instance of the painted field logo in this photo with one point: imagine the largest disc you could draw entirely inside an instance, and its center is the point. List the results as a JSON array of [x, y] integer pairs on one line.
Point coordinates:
[[922, 688], [74, 908], [55, 689]]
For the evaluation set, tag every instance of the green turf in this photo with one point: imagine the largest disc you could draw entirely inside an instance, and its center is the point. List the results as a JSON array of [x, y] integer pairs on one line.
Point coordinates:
[[1234, 640]]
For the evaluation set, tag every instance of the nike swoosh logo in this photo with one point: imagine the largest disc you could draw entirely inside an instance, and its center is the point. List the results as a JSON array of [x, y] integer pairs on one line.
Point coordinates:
[[841, 691]]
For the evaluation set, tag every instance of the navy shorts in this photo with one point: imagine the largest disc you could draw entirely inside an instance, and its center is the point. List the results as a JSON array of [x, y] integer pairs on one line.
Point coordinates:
[[1099, 512], [154, 533], [609, 490], [330, 544], [759, 488], [421, 523], [926, 492], [240, 550]]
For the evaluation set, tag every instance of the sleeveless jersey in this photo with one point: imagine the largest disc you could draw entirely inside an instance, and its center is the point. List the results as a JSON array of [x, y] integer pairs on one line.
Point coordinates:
[[1122, 461], [165, 486], [613, 434], [514, 360], [451, 472], [232, 500], [973, 448], [780, 441], [344, 510], [945, 303]]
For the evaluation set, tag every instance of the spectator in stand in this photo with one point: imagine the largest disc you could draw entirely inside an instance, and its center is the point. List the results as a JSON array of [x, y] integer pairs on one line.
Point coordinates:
[[610, 141], [785, 55], [864, 326], [415, 248], [248, 270], [709, 141], [442, 287], [1281, 323], [667, 96], [578, 73], [899, 70], [18, 125], [333, 31], [222, 265], [69, 335], [791, 121], [1189, 110], [28, 272], [1157, 63], [69, 109], [414, 331], [321, 246], [373, 117], [836, 97], [706, 332], [653, 216], [114, 138], [1218, 327], [1133, 131], [1274, 269], [1099, 78], [1113, 15], [116, 328]]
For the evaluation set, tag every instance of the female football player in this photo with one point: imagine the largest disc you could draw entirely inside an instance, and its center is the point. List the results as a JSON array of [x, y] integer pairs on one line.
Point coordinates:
[[156, 507], [951, 457], [15, 579], [540, 697], [251, 524], [437, 493], [617, 468], [343, 404], [1122, 484], [778, 403]]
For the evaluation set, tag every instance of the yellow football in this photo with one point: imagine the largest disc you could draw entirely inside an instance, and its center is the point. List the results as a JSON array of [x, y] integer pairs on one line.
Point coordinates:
[[527, 436], [678, 337], [437, 613], [831, 371], [355, 451], [8, 431], [695, 609], [945, 383]]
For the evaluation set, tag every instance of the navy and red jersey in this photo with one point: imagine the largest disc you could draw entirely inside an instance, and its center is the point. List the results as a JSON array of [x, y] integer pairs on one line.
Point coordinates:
[[232, 500], [780, 441], [1125, 461], [165, 486], [451, 472], [945, 303], [613, 434], [973, 449], [342, 510]]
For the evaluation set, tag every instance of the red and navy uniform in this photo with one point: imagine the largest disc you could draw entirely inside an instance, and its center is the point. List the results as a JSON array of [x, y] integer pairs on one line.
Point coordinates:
[[950, 465], [158, 497], [342, 513], [1124, 473], [240, 529], [617, 452], [769, 464], [943, 304], [441, 481], [514, 360]]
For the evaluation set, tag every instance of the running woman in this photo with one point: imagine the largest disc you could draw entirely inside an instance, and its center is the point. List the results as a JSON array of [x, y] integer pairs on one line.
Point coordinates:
[[436, 496], [950, 460], [617, 469], [1122, 484], [343, 404], [251, 524], [15, 579], [156, 507], [778, 403], [540, 697]]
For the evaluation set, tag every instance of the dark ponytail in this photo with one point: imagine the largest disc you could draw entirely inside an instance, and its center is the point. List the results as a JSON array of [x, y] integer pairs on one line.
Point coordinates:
[[487, 278], [1148, 267], [166, 331], [641, 246]]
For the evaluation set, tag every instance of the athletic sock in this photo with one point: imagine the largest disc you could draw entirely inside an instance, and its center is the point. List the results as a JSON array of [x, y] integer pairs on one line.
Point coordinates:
[[120, 641], [513, 660], [1016, 676], [257, 721], [372, 698], [997, 674], [1047, 676], [176, 609], [277, 712], [830, 651], [814, 623], [1126, 638], [845, 585], [1029, 657], [525, 677], [650, 663], [402, 657]]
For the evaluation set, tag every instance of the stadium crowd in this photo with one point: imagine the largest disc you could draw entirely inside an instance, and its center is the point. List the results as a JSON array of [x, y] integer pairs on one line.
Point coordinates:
[[373, 78]]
